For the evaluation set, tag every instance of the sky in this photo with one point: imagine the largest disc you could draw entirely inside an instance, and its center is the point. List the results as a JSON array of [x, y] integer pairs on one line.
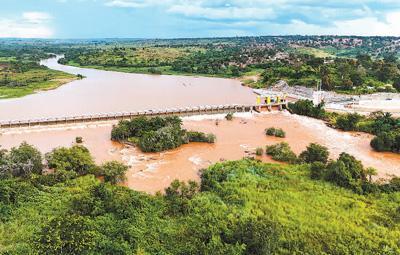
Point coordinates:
[[196, 18]]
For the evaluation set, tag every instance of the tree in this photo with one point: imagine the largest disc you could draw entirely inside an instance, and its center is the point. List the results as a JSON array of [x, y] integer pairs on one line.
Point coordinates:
[[66, 234], [114, 172], [315, 153], [370, 171], [178, 195], [261, 236], [282, 152], [338, 173], [348, 122], [317, 170], [396, 83], [25, 160], [77, 159]]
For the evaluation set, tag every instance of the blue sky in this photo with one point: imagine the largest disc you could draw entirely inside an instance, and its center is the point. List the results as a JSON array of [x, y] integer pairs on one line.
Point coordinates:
[[196, 18]]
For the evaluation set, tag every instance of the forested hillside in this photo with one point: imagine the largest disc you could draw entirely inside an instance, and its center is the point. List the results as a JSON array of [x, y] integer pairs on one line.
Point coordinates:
[[240, 207]]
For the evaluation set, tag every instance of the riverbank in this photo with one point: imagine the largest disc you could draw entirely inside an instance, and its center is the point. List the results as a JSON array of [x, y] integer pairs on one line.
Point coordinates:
[[105, 91], [236, 139], [34, 80]]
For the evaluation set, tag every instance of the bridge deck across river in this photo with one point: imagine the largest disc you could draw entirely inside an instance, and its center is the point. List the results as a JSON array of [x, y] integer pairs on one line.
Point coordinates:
[[185, 111]]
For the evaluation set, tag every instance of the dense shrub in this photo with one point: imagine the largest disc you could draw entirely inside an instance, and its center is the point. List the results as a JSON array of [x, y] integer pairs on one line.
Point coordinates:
[[229, 116], [348, 122], [113, 172], [78, 139], [77, 159], [21, 161], [386, 141], [317, 170], [193, 136], [346, 172], [278, 132], [259, 151], [165, 138], [282, 152], [315, 153], [307, 108]]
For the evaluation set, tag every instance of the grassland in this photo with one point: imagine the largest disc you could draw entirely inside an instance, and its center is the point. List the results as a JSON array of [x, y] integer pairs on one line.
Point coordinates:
[[316, 52], [32, 79]]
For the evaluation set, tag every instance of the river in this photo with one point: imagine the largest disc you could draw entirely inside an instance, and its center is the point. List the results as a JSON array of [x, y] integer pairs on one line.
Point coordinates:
[[105, 92], [235, 139], [153, 172]]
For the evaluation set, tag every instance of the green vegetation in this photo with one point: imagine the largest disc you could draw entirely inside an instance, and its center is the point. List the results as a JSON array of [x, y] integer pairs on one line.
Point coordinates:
[[259, 151], [360, 75], [307, 108], [78, 139], [346, 171], [341, 64], [157, 134], [383, 125], [344, 64], [20, 71], [240, 207], [18, 79], [315, 153], [278, 132], [229, 116], [282, 152], [113, 172]]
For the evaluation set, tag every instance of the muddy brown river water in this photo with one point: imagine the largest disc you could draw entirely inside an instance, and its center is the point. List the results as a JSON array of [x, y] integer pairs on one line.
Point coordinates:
[[235, 140], [103, 91], [107, 92]]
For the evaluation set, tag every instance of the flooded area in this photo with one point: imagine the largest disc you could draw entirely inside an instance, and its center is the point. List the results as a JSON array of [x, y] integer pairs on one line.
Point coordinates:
[[235, 140], [110, 92], [103, 91]]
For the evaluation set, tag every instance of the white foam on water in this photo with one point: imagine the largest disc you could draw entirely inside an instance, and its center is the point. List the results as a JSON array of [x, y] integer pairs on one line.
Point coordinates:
[[219, 116], [39, 129], [336, 139], [196, 160]]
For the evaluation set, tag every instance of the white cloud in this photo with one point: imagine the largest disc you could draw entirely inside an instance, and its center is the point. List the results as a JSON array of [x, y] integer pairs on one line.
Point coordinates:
[[361, 17], [132, 3], [369, 26], [28, 25], [36, 17], [226, 12]]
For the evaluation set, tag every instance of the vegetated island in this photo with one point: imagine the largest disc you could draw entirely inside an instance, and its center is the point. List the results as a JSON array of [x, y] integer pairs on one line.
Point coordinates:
[[157, 134]]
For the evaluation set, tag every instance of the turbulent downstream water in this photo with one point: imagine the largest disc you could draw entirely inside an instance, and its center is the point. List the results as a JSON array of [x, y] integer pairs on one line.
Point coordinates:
[[105, 92], [235, 139]]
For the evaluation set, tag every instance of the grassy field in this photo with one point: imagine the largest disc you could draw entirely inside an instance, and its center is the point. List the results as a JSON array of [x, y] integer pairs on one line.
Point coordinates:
[[32, 81], [319, 53]]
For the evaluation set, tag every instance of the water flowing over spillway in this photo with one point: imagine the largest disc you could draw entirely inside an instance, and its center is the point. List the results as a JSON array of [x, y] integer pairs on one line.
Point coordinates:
[[106, 92]]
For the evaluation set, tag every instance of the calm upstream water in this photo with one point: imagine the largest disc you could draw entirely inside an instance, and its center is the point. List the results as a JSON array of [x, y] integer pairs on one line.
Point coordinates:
[[105, 92]]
